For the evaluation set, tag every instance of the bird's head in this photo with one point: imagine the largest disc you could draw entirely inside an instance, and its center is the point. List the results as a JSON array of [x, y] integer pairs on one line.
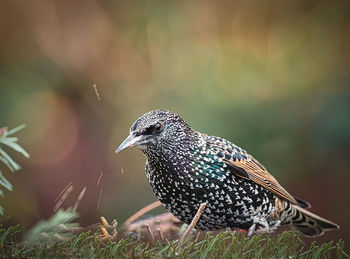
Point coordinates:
[[157, 130]]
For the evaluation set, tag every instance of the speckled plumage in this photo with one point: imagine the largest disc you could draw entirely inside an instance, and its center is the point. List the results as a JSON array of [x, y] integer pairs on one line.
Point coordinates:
[[186, 168]]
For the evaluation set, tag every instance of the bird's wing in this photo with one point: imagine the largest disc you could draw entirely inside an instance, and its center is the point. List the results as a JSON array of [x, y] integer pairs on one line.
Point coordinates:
[[245, 166], [251, 169]]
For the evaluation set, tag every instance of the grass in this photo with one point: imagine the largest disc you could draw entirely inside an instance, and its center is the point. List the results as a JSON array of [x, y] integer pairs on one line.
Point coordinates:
[[222, 245]]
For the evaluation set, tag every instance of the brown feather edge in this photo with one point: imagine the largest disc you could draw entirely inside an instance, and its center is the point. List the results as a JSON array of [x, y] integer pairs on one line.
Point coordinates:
[[254, 172]]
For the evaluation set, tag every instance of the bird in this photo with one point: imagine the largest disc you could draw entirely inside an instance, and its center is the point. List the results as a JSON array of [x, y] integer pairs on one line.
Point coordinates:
[[186, 168]]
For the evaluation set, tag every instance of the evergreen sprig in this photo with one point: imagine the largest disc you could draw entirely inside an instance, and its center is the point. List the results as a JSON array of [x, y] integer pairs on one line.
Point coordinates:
[[6, 140], [54, 229]]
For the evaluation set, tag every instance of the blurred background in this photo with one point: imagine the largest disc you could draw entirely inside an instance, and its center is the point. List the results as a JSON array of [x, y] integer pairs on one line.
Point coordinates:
[[271, 76]]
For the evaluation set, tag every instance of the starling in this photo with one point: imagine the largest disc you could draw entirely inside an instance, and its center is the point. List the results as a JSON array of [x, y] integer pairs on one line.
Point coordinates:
[[186, 168]]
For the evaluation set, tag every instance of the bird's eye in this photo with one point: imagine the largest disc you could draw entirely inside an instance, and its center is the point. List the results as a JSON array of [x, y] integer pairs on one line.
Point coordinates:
[[158, 127]]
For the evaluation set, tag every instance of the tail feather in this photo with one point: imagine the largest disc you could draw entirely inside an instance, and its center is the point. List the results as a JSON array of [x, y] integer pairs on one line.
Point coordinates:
[[310, 224], [303, 204]]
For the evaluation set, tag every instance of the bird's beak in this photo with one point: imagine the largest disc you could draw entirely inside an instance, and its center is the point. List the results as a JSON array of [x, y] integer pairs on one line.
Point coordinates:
[[130, 141]]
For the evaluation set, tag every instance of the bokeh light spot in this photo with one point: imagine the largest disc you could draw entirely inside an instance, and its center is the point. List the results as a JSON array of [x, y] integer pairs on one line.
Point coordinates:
[[52, 126]]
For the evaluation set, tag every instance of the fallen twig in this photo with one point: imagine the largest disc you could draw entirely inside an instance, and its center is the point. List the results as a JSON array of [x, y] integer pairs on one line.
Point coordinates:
[[142, 212], [193, 223]]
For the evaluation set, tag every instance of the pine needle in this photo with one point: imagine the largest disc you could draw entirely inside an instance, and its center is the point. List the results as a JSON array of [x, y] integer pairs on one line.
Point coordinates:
[[47, 229]]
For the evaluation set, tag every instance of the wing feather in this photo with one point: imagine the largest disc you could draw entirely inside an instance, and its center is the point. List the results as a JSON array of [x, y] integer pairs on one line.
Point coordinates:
[[250, 169], [247, 167]]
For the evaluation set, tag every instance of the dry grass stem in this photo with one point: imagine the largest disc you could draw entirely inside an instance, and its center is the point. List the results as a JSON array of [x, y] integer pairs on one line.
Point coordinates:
[[63, 196], [99, 178], [80, 197], [193, 223], [149, 232], [99, 200], [160, 234], [96, 92], [63, 191], [142, 212]]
